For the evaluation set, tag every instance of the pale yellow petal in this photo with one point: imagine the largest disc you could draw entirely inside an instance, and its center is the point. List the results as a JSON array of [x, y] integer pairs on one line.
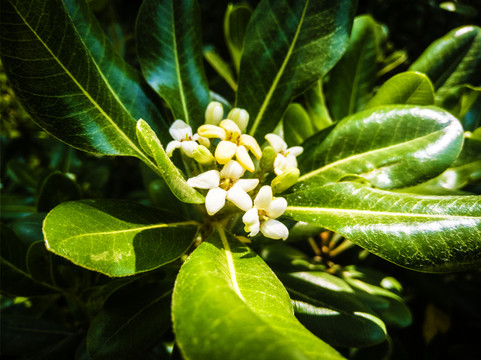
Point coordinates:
[[244, 159], [211, 131], [251, 143], [225, 151]]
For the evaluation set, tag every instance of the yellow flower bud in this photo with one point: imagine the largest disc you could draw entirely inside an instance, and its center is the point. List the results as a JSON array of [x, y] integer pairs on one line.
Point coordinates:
[[214, 113], [203, 156]]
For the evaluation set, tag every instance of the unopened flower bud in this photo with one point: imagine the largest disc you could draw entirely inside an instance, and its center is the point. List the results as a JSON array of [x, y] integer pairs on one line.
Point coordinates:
[[214, 113], [267, 159], [202, 155], [240, 117], [285, 180]]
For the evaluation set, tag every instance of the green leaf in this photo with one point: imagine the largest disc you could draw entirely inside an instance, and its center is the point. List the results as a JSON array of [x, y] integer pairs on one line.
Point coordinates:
[[316, 107], [220, 66], [409, 87], [297, 125], [236, 19], [169, 43], [288, 46], [328, 307], [55, 189], [131, 320], [225, 292], [114, 237], [127, 83], [59, 82], [16, 280], [352, 80], [171, 174], [461, 99], [391, 147], [424, 233], [452, 60]]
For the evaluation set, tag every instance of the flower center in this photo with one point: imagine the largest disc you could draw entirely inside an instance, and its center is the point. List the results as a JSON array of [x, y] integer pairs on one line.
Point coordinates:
[[226, 183]]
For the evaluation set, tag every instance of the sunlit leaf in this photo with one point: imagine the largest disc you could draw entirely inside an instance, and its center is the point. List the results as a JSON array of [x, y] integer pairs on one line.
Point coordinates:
[[237, 295], [425, 233], [288, 46], [115, 237]]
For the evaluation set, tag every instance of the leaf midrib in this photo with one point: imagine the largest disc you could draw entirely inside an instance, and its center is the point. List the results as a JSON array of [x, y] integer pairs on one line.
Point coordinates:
[[86, 94], [279, 74], [309, 210], [367, 153]]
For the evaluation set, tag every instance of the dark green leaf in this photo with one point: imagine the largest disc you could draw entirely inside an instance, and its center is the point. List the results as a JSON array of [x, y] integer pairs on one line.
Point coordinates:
[[409, 88], [115, 237], [297, 125], [224, 295], [330, 308], [351, 81], [23, 336], [316, 107], [391, 147], [131, 320], [55, 189], [425, 233], [236, 19], [452, 60], [16, 279], [288, 46], [286, 258], [222, 67], [169, 43], [59, 82], [127, 83]]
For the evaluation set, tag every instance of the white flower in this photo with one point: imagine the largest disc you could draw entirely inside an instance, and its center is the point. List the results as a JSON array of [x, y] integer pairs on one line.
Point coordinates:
[[285, 158], [261, 216], [183, 138], [233, 143], [223, 185]]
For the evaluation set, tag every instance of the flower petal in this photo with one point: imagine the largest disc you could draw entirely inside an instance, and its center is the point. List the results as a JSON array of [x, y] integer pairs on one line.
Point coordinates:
[[276, 208], [232, 170], [211, 131], [247, 184], [231, 129], [251, 143], [225, 151], [201, 140], [251, 222], [244, 159], [188, 147], [274, 229], [276, 142], [239, 197], [295, 150], [215, 200], [281, 163], [171, 146], [179, 130], [207, 180], [263, 198]]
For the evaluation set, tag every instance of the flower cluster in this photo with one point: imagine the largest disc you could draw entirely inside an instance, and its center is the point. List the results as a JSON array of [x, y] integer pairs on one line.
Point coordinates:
[[233, 151]]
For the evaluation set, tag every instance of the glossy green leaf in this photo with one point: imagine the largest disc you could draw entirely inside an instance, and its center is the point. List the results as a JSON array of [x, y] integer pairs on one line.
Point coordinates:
[[16, 280], [224, 295], [59, 82], [171, 174], [115, 237], [297, 125], [169, 43], [131, 320], [328, 307], [425, 233], [221, 66], [316, 106], [285, 258], [236, 19], [461, 99], [127, 83], [411, 88], [289, 45], [55, 189], [391, 147], [452, 60], [352, 80]]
